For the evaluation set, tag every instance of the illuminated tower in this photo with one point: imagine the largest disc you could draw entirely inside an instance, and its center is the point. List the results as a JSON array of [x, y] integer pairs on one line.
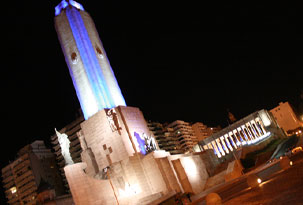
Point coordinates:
[[121, 163], [90, 70]]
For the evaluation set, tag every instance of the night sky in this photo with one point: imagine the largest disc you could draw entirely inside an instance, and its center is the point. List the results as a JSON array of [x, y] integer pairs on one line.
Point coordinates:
[[174, 61]]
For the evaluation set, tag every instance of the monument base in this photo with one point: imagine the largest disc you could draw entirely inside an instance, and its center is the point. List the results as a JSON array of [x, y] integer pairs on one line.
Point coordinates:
[[138, 179], [120, 167]]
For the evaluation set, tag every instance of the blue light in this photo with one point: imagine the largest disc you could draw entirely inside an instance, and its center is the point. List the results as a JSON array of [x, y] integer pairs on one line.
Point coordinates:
[[85, 49], [63, 4], [96, 86], [93, 70], [141, 143]]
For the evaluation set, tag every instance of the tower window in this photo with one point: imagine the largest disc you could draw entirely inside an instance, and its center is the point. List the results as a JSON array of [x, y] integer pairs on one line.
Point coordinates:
[[74, 57], [99, 51]]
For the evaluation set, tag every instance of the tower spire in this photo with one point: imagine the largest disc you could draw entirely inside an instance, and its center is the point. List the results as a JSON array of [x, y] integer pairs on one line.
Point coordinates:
[[90, 70]]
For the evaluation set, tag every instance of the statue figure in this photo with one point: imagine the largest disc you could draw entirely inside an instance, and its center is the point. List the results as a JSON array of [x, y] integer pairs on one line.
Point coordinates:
[[113, 120], [64, 144], [147, 144], [150, 144]]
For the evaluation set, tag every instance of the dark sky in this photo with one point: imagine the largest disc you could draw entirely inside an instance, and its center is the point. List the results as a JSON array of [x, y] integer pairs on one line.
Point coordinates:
[[172, 60]]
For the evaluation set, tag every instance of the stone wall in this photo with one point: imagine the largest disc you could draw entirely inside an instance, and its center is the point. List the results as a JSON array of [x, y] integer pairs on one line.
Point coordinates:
[[107, 145], [191, 172], [86, 190], [168, 175], [210, 160], [111, 137], [108, 141]]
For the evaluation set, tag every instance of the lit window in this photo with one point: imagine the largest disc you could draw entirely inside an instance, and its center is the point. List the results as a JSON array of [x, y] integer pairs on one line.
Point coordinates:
[[13, 190]]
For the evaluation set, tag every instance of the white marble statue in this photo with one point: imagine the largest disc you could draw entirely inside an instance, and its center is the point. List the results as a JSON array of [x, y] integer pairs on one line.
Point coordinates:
[[64, 144]]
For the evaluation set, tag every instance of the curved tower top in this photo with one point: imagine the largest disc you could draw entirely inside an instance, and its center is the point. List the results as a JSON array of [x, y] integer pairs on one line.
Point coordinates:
[[89, 67], [66, 3]]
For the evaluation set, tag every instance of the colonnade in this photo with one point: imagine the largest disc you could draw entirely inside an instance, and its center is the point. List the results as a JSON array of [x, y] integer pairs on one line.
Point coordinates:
[[248, 133]]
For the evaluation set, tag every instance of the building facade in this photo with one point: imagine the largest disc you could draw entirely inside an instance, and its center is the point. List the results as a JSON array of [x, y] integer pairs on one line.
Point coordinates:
[[202, 131], [250, 130], [184, 134], [165, 138], [286, 117], [180, 137], [34, 165]]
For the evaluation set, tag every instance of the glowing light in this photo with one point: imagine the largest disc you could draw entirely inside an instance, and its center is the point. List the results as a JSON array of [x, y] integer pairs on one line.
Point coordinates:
[[259, 138], [141, 143], [89, 58], [290, 163], [63, 4], [129, 190], [189, 166], [259, 180], [265, 119], [224, 144], [220, 147], [13, 190], [227, 141], [96, 86], [216, 150]]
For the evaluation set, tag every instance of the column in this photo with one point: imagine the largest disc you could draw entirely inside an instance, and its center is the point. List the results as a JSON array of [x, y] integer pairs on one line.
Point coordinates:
[[253, 125], [260, 125], [236, 134], [244, 128], [227, 142], [217, 152], [220, 147], [250, 131], [232, 140], [224, 145], [245, 139], [257, 127]]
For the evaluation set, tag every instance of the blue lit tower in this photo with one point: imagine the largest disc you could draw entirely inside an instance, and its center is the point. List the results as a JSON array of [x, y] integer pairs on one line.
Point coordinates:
[[92, 75]]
